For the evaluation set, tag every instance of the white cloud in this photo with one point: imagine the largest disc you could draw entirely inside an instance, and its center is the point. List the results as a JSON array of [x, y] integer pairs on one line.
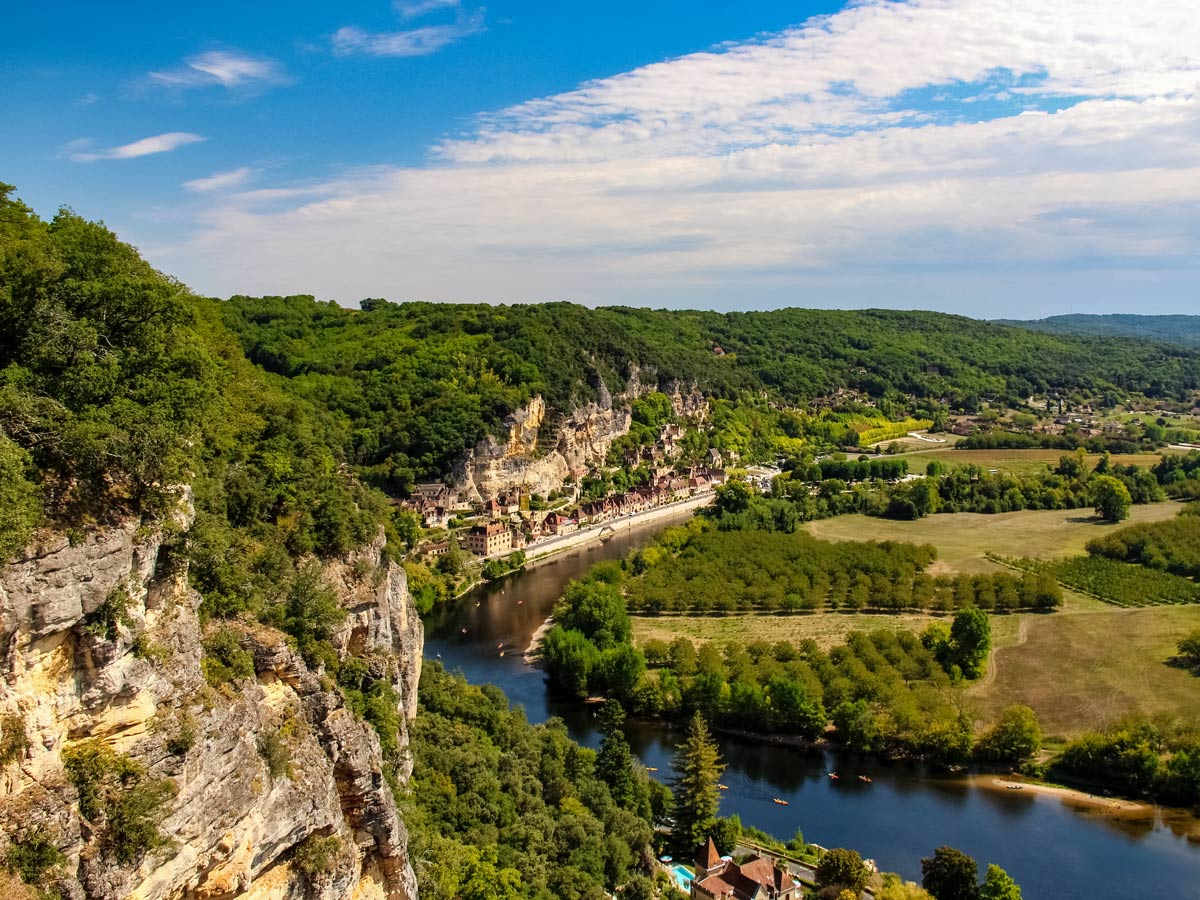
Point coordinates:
[[220, 181], [222, 68], [422, 41], [82, 150], [957, 142], [413, 9]]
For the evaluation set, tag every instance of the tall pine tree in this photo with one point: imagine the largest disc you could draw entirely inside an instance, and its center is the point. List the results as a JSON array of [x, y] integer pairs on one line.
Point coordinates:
[[698, 768], [614, 762]]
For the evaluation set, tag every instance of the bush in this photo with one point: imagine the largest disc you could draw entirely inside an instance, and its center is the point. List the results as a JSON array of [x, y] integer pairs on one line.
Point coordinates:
[[273, 748], [13, 740], [115, 793], [184, 738], [106, 620], [314, 856], [34, 854], [224, 658]]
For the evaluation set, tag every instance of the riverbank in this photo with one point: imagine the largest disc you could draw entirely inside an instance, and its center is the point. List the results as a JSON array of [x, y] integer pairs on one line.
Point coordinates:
[[545, 551], [1116, 805], [900, 815]]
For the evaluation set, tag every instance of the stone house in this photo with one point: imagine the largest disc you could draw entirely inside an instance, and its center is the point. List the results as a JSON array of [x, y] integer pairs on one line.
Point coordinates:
[[720, 878], [486, 540]]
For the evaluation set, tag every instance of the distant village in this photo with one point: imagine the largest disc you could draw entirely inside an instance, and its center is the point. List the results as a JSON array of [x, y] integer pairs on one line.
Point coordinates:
[[511, 521]]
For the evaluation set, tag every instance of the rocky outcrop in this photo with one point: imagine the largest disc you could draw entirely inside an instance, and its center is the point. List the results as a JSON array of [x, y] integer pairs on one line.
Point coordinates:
[[523, 458], [100, 641]]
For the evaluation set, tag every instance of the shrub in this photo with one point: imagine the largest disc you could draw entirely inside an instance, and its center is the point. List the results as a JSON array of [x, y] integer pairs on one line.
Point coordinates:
[[13, 740], [315, 854], [224, 658], [106, 620], [184, 739], [33, 855], [115, 793], [273, 748]]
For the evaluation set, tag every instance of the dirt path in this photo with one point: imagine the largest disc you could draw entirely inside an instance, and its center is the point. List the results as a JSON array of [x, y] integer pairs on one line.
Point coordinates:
[[990, 675]]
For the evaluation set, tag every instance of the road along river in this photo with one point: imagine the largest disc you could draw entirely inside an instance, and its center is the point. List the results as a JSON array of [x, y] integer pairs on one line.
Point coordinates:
[[1056, 850]]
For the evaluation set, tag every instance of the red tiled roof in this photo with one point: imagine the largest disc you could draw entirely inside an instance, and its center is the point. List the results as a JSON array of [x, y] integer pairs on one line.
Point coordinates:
[[716, 886]]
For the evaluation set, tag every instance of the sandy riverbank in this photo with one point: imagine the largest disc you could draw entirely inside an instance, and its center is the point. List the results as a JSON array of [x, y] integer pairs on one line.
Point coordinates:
[[1114, 805]]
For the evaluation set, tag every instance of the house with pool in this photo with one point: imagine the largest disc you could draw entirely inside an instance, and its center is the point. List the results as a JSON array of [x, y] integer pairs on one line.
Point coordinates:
[[720, 878]]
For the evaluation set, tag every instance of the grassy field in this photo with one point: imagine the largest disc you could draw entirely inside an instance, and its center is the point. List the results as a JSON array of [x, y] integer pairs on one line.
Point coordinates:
[[1016, 462], [963, 538], [1078, 668], [1088, 665]]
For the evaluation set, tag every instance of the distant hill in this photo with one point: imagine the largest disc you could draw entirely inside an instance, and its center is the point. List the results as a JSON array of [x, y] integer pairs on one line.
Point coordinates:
[[1182, 330]]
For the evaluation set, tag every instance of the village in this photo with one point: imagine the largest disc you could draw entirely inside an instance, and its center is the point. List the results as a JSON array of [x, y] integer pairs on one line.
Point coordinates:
[[519, 520]]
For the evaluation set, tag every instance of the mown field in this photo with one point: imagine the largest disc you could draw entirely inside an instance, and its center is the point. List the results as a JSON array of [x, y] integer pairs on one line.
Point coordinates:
[[1091, 664], [1016, 462], [963, 539]]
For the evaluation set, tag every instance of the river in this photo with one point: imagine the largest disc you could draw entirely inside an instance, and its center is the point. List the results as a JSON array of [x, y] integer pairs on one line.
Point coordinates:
[[1055, 851]]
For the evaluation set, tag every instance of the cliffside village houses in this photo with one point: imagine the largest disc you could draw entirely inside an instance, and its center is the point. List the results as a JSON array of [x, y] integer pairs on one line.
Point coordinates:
[[506, 527]]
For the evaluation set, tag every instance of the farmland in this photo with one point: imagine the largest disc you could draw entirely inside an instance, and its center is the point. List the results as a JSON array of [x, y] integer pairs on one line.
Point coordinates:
[[1015, 462], [1086, 666], [963, 539]]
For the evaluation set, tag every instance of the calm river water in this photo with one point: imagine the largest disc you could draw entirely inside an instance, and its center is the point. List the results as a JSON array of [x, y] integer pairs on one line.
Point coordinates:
[[1054, 851]]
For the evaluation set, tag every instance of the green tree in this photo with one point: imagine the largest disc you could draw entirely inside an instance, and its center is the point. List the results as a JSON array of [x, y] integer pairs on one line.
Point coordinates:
[[998, 885], [842, 869], [698, 766], [484, 879], [734, 497], [1015, 738], [1189, 648], [950, 875], [614, 761], [971, 640], [1111, 498], [20, 507], [726, 832]]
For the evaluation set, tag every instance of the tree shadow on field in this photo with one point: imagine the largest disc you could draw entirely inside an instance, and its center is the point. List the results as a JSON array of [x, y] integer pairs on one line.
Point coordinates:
[[1187, 663]]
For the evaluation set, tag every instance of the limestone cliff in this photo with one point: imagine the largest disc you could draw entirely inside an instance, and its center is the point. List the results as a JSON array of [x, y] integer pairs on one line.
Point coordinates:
[[537, 457], [100, 642]]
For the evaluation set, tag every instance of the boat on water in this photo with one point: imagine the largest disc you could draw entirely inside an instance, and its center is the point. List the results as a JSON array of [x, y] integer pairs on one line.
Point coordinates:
[[833, 776], [651, 769], [780, 802], [866, 779], [723, 787]]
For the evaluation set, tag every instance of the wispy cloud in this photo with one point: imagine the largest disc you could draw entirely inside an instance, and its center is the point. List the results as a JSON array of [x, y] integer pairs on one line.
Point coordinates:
[[83, 150], [413, 9], [220, 181], [420, 41], [840, 152], [222, 68]]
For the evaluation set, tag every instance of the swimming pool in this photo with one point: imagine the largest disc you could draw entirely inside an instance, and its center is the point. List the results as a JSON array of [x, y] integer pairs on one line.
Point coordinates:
[[683, 878]]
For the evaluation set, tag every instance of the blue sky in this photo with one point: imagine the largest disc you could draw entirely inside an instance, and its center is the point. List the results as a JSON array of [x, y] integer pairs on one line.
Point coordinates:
[[990, 157]]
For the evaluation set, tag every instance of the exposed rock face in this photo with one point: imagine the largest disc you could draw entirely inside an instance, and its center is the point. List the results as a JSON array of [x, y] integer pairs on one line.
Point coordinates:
[[497, 465], [234, 828]]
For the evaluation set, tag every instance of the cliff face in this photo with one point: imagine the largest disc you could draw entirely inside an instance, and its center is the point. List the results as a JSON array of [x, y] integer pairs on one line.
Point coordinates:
[[581, 439], [100, 643]]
